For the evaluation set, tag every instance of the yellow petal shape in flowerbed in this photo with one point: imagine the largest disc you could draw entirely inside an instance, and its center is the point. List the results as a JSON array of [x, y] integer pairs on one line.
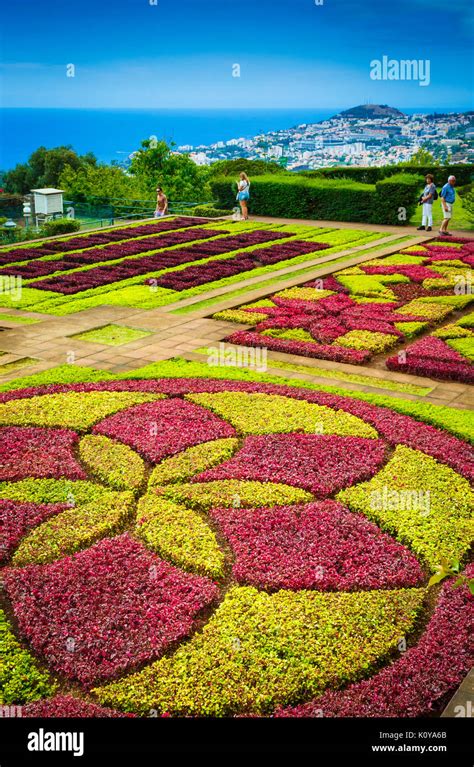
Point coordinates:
[[272, 413], [74, 410], [234, 493], [74, 529], [179, 535], [262, 650], [423, 503], [112, 463], [193, 461]]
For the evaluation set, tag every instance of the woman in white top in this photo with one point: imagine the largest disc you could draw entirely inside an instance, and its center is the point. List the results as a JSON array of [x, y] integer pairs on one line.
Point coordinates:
[[243, 194], [426, 199]]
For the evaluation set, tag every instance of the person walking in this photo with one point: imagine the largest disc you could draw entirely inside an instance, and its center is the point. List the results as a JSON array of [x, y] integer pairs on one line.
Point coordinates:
[[243, 194], [448, 196], [161, 203], [427, 199]]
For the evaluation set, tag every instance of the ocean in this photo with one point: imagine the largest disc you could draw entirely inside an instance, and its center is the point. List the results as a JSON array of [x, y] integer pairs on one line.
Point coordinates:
[[112, 134]]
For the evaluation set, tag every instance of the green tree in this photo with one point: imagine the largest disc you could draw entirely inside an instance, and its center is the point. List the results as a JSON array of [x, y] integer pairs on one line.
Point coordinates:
[[98, 181], [422, 157], [19, 180], [155, 164], [44, 168]]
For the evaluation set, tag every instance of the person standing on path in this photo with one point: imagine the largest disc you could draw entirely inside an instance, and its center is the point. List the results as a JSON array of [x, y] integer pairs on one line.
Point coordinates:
[[448, 196], [161, 203], [427, 199], [243, 194]]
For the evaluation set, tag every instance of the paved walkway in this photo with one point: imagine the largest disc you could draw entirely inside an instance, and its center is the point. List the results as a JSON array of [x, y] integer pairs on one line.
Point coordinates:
[[461, 704], [402, 231]]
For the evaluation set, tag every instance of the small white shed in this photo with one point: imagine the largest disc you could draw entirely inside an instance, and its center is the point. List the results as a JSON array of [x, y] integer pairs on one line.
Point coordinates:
[[48, 201]]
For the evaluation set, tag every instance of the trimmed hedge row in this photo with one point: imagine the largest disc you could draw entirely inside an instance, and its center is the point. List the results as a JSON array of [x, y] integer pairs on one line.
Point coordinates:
[[332, 200], [210, 211], [464, 173]]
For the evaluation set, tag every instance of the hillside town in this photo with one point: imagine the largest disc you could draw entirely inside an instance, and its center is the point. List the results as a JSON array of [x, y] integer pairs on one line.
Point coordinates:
[[366, 135]]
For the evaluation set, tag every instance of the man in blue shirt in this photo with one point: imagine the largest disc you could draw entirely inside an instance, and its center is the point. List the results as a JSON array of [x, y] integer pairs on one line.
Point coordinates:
[[448, 195]]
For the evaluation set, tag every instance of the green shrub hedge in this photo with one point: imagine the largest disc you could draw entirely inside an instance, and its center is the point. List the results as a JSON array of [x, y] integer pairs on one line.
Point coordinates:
[[210, 211], [464, 173], [394, 194], [296, 196], [60, 226], [244, 165]]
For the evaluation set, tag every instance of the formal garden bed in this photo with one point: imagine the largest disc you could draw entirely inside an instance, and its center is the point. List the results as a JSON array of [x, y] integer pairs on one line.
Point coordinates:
[[151, 265], [366, 310], [447, 353], [197, 542]]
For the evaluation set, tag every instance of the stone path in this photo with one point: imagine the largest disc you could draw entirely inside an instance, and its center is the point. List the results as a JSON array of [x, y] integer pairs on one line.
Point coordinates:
[[462, 703]]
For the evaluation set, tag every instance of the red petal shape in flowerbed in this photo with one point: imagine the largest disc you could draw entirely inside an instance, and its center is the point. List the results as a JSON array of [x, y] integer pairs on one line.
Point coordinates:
[[104, 610], [321, 546], [394, 427], [327, 330], [418, 682], [303, 348], [35, 452], [160, 429], [319, 463], [68, 707], [19, 517]]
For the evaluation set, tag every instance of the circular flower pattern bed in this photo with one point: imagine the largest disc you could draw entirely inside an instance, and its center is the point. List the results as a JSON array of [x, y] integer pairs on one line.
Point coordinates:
[[211, 548]]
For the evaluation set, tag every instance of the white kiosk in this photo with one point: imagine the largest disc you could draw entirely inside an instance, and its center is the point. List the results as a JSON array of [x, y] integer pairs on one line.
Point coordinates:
[[48, 203]]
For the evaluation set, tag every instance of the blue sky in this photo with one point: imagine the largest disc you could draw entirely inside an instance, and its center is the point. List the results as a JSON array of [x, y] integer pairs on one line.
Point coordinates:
[[180, 53]]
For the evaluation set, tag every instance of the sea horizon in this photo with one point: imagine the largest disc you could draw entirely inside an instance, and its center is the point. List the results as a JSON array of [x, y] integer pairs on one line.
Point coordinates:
[[96, 130]]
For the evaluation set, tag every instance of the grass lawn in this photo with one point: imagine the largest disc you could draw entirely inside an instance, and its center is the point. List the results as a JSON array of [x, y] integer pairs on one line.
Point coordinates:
[[460, 220]]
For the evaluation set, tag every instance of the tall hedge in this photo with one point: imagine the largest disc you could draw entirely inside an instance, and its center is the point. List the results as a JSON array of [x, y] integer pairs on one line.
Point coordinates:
[[243, 164], [397, 198], [296, 196], [464, 173]]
